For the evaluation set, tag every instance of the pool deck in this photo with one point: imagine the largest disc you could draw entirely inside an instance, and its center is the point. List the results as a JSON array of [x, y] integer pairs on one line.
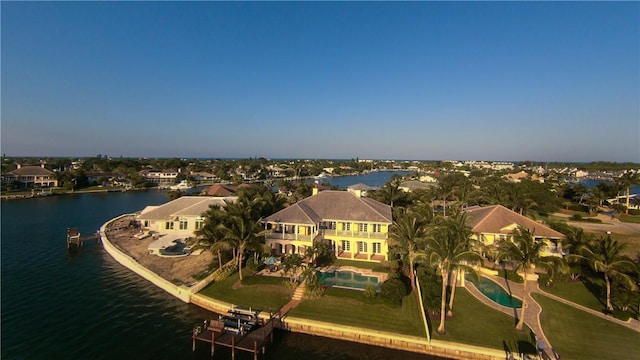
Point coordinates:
[[532, 315]]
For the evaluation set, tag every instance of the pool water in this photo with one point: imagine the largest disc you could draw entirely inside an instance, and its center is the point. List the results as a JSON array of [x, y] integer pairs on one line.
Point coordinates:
[[348, 279], [495, 292]]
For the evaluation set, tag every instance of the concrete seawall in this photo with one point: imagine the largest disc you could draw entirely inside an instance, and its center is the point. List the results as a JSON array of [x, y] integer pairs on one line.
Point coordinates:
[[305, 326], [182, 292]]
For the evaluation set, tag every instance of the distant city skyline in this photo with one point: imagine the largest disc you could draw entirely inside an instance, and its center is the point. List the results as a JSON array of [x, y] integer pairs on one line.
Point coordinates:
[[495, 81]]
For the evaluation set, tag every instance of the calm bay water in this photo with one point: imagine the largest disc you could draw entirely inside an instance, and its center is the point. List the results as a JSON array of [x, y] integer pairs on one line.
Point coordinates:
[[374, 179], [84, 305]]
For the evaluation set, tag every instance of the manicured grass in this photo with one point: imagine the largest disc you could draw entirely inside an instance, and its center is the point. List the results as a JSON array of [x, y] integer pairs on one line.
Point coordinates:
[[579, 293], [477, 324], [576, 334], [635, 219], [360, 264], [256, 296], [352, 312], [575, 292], [263, 280], [354, 294]]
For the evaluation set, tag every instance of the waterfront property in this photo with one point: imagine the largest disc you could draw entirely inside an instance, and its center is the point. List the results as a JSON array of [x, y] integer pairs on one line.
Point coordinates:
[[164, 177], [30, 177], [352, 226], [176, 219], [494, 223]]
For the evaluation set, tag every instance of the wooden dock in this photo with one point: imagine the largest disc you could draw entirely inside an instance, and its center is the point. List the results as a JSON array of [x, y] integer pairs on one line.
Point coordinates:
[[254, 341], [74, 238]]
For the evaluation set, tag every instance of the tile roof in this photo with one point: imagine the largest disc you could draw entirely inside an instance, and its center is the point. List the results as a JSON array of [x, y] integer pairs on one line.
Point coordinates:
[[220, 190], [333, 205], [183, 206], [31, 170], [497, 219]]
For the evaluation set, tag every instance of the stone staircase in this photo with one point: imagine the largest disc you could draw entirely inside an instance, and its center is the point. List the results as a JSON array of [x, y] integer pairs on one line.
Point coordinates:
[[298, 294]]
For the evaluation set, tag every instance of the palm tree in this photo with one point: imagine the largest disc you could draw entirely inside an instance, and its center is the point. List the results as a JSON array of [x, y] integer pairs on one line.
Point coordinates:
[[450, 250], [625, 181], [244, 233], [465, 254], [211, 233], [408, 232], [526, 252], [605, 256], [576, 240], [391, 192]]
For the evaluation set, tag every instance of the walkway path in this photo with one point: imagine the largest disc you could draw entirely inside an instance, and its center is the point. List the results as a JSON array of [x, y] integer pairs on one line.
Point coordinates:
[[296, 298], [532, 314]]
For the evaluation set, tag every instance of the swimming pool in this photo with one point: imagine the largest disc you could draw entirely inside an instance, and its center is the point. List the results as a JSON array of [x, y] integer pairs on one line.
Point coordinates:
[[495, 292], [348, 279]]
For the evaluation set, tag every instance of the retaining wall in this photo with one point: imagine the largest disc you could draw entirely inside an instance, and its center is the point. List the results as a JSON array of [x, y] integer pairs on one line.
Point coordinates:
[[390, 340]]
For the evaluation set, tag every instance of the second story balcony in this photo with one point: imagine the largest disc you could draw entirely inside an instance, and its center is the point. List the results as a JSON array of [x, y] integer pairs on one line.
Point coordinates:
[[276, 235], [357, 234]]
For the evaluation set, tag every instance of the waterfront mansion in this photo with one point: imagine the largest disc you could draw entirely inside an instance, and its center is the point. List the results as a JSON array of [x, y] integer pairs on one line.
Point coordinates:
[[353, 226]]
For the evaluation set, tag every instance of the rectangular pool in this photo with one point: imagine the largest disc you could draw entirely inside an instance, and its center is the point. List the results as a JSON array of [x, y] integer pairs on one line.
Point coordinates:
[[348, 279]]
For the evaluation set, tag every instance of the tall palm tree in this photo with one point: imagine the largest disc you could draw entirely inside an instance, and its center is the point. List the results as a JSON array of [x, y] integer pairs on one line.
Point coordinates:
[[390, 192], [465, 254], [626, 181], [527, 252], [450, 250], [211, 233], [605, 256], [408, 232], [244, 233]]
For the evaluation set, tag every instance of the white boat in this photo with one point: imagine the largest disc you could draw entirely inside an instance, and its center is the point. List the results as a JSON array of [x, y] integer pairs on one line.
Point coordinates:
[[181, 186]]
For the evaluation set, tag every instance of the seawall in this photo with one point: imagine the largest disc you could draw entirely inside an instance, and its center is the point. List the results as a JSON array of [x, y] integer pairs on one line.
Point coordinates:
[[305, 326]]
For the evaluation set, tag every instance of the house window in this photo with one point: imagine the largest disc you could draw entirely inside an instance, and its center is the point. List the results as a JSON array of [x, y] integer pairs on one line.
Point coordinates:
[[346, 245], [362, 227], [362, 247], [346, 226], [331, 225], [168, 225], [183, 225], [146, 223], [377, 228], [377, 248], [199, 224]]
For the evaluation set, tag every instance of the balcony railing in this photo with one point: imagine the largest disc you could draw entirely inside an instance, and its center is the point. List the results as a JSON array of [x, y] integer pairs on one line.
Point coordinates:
[[289, 236], [358, 234]]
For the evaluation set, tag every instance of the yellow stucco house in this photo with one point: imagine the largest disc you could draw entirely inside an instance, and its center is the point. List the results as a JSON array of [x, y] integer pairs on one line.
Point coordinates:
[[493, 223], [353, 226]]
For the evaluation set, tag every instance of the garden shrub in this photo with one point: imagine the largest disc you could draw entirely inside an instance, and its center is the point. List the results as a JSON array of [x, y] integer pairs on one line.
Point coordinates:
[[369, 292], [392, 291]]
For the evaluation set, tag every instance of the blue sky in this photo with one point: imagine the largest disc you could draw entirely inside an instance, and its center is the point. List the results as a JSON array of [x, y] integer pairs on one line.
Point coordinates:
[[538, 81]]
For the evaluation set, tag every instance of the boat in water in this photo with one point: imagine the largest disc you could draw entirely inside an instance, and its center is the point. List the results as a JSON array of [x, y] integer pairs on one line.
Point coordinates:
[[182, 186]]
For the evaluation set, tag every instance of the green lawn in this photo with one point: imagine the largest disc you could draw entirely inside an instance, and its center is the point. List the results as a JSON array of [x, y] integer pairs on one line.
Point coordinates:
[[260, 296], [579, 293], [575, 292], [352, 312], [630, 218], [579, 335], [477, 324]]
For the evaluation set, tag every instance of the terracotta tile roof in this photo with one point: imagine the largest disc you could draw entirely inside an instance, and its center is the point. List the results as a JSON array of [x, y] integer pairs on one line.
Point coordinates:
[[31, 171], [333, 205], [497, 219], [183, 206], [221, 190]]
